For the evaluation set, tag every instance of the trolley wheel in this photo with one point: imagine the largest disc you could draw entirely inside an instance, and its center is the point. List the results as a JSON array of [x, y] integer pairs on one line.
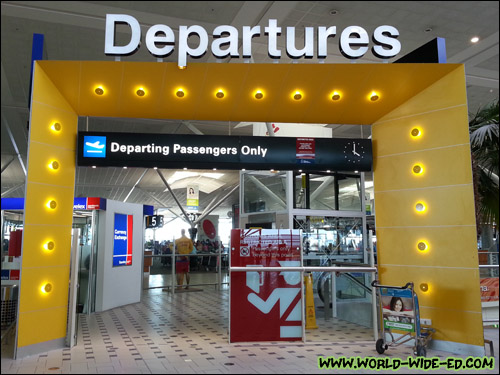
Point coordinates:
[[421, 351], [380, 346]]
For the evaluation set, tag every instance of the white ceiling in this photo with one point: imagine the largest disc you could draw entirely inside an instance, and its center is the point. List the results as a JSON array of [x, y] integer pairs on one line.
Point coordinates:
[[74, 30]]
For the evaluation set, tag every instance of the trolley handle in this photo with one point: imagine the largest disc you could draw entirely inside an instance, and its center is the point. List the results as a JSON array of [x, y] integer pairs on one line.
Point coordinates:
[[376, 285]]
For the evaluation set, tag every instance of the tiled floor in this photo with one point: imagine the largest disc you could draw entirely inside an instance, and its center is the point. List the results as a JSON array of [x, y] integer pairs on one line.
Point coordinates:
[[187, 333]]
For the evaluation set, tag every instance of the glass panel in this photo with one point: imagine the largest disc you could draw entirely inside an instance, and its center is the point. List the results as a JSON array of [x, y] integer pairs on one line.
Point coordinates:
[[349, 194], [264, 191], [342, 303], [322, 192], [203, 266], [300, 191], [93, 234], [347, 313], [85, 253], [339, 237]]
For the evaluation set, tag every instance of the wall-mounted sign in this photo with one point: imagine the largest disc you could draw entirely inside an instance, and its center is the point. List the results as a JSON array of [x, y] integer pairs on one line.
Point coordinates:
[[122, 240], [160, 40], [227, 152], [154, 221], [89, 203]]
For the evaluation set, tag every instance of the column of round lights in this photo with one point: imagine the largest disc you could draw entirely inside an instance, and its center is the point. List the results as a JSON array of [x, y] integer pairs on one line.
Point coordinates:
[[418, 170], [46, 288], [51, 204]]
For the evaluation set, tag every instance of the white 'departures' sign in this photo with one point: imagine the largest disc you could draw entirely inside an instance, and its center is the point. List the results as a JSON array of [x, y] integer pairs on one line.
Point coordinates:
[[160, 40]]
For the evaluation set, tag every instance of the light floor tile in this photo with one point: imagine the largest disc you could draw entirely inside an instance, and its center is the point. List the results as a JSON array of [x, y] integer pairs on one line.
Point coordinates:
[[188, 333]]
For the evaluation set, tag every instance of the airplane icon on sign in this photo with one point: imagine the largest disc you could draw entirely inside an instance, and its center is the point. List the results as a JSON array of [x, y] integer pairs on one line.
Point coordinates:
[[95, 144]]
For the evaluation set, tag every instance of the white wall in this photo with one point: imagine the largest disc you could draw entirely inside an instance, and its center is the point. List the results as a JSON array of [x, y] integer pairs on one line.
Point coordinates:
[[118, 286]]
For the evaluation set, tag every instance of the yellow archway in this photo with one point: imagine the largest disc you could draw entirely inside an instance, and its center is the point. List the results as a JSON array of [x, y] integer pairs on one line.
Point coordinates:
[[428, 97]]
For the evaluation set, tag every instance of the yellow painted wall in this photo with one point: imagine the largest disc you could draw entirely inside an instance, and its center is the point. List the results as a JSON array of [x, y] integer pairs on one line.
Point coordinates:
[[450, 264], [42, 316]]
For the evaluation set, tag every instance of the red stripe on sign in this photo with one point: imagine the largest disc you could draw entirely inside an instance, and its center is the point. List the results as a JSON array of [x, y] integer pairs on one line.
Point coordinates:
[[130, 232]]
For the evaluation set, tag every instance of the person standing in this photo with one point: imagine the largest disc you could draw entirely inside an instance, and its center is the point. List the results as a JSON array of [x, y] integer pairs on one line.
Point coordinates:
[[183, 245]]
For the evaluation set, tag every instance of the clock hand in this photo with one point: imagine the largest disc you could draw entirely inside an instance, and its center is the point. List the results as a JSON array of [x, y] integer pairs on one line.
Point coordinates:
[[355, 153]]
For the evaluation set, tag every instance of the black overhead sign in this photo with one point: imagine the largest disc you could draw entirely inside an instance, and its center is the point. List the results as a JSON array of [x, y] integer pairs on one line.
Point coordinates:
[[223, 152]]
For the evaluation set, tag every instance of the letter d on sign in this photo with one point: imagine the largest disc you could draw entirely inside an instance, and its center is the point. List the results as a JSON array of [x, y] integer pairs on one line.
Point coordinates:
[[109, 41]]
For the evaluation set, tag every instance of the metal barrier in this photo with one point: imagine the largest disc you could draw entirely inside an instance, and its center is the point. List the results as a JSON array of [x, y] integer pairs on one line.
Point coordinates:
[[217, 284], [365, 269]]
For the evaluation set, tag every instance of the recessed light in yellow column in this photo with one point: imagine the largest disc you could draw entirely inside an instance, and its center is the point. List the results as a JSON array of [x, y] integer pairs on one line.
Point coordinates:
[[424, 287], [56, 127], [46, 288], [416, 132], [297, 95], [49, 246], [420, 207], [51, 204], [54, 165], [180, 93], [423, 246], [418, 169]]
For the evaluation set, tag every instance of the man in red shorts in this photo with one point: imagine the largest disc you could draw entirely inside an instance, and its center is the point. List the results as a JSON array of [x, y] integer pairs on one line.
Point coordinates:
[[183, 245]]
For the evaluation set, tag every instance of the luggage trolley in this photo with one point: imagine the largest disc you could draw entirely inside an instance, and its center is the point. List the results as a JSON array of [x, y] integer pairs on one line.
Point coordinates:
[[399, 310]]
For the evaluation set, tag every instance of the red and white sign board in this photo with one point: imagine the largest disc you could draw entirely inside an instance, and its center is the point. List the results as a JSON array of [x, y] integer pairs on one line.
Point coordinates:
[[265, 306]]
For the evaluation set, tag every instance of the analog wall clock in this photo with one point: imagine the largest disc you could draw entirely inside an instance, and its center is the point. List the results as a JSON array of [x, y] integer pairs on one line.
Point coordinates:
[[354, 152]]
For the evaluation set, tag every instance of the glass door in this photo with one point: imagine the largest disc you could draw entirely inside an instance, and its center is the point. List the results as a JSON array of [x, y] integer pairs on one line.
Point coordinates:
[[87, 222]]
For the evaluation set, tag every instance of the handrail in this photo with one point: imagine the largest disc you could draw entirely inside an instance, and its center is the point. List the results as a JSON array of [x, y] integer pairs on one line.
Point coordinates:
[[376, 285], [184, 255], [352, 279], [488, 266], [172, 256], [303, 269]]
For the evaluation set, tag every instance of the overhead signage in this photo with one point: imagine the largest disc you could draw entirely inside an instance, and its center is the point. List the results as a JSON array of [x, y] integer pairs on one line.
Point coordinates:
[[192, 197], [228, 152], [122, 240], [160, 40]]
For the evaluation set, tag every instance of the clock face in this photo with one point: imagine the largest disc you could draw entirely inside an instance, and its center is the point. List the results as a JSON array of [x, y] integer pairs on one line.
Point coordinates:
[[354, 152]]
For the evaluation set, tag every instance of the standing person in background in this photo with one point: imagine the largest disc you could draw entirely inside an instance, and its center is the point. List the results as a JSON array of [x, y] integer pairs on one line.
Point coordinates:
[[183, 245]]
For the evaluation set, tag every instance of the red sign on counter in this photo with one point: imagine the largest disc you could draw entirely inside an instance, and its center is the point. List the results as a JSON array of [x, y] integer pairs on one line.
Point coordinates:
[[265, 306]]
